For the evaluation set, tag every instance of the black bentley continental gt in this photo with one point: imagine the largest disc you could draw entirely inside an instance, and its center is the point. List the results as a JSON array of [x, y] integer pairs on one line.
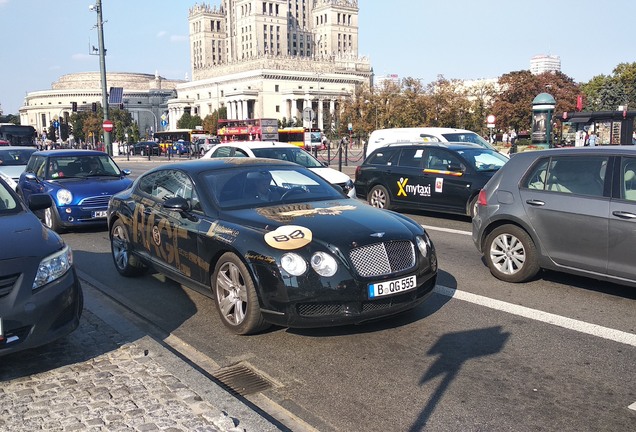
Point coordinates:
[[272, 243]]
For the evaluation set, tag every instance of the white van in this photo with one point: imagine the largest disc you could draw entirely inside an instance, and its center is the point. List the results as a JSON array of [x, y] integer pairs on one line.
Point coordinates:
[[383, 137]]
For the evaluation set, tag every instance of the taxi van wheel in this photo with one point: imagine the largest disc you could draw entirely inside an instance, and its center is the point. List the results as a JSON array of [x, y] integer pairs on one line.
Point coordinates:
[[125, 263], [511, 254], [52, 220], [236, 297], [379, 197]]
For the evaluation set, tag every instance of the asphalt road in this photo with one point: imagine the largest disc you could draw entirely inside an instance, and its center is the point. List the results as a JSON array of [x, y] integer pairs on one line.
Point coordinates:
[[558, 353]]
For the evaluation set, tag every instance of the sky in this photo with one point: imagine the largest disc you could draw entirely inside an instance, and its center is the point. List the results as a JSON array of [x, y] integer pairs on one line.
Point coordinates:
[[41, 40]]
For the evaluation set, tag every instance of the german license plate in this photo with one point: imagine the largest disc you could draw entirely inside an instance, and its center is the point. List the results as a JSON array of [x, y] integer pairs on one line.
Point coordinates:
[[99, 214], [391, 287]]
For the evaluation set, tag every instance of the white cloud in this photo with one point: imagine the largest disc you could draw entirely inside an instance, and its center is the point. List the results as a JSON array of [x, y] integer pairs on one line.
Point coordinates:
[[161, 34], [4, 2]]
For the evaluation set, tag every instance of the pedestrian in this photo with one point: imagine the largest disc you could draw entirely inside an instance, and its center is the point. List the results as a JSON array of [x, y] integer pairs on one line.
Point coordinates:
[[504, 138], [634, 137], [592, 139]]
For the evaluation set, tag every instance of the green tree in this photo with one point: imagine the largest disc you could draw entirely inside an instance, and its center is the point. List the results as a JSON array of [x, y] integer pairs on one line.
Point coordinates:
[[188, 121]]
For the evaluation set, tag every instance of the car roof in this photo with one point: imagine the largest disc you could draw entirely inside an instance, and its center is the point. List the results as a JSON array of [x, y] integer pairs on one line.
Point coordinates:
[[18, 148], [70, 152], [201, 165], [628, 150], [257, 144], [448, 145]]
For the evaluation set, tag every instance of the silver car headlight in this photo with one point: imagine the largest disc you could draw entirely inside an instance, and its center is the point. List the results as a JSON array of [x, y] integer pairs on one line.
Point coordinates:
[[53, 267], [64, 196], [348, 186], [293, 264], [324, 264], [422, 245]]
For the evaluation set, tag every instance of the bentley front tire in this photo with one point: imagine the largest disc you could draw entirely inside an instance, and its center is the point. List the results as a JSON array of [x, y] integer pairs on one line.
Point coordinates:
[[236, 296]]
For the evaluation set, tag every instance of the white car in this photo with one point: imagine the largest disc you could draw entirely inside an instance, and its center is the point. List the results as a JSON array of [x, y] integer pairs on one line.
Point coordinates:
[[13, 161], [419, 135], [283, 151]]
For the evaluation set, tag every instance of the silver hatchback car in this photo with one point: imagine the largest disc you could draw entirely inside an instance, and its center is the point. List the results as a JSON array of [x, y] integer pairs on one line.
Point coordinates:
[[569, 209]]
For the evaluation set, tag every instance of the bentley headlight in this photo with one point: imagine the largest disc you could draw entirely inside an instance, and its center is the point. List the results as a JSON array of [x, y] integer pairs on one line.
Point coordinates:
[[421, 245], [324, 264], [64, 196], [53, 267], [293, 264]]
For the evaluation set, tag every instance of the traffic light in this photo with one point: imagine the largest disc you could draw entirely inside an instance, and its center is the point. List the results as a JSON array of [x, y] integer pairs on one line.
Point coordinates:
[[94, 107], [74, 106]]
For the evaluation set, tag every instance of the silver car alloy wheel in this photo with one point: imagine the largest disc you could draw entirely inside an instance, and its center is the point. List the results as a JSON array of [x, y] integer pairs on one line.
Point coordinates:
[[231, 293], [120, 247], [507, 254], [378, 198]]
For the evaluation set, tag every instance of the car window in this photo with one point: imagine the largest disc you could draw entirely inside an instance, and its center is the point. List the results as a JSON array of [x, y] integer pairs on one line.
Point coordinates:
[[8, 203], [411, 157], [14, 157], [240, 153], [224, 151], [628, 179], [442, 160], [382, 157], [568, 174], [483, 159], [429, 138]]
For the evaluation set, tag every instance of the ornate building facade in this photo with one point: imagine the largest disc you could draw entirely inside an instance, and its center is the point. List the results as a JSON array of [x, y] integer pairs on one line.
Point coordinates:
[[272, 59], [144, 95]]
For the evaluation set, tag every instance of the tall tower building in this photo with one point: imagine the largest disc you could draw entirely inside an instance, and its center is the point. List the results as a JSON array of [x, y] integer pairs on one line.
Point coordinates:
[[272, 58], [545, 63]]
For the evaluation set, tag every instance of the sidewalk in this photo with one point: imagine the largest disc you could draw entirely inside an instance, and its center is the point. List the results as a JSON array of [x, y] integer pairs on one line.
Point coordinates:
[[110, 375]]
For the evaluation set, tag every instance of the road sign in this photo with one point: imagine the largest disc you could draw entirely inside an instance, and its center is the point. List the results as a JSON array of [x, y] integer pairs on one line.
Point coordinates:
[[308, 114], [107, 125], [490, 118], [164, 123]]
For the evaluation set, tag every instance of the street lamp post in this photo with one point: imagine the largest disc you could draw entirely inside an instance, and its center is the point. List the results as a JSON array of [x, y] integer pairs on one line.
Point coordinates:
[[97, 7]]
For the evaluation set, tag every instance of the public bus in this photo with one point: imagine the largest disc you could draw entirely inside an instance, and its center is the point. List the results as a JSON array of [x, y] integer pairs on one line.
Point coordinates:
[[18, 135], [301, 137], [248, 130], [167, 138]]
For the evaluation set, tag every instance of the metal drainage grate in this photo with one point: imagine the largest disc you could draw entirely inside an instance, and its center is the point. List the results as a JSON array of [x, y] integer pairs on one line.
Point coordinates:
[[242, 380]]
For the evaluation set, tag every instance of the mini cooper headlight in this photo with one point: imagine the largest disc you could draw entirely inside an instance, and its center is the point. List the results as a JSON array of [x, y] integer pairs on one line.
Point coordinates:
[[421, 245], [293, 264], [53, 267], [64, 196], [324, 264]]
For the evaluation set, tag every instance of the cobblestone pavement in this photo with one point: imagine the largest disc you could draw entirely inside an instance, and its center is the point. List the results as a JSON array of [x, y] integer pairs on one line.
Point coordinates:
[[102, 379]]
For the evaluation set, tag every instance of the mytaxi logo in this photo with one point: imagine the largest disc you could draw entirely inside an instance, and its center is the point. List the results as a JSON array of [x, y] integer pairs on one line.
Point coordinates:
[[401, 185]]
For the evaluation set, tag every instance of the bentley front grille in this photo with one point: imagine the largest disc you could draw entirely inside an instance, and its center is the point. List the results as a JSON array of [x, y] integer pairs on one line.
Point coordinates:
[[380, 259]]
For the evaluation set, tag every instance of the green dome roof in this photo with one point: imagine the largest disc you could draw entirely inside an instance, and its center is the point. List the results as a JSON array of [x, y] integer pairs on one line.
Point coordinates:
[[544, 99]]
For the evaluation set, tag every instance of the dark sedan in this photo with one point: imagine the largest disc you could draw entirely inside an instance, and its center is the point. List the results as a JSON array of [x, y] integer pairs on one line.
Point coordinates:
[[443, 177], [40, 294], [146, 147], [272, 243], [80, 182]]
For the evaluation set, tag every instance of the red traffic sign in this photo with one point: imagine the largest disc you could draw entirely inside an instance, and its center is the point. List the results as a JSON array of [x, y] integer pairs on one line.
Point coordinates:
[[107, 125], [490, 118]]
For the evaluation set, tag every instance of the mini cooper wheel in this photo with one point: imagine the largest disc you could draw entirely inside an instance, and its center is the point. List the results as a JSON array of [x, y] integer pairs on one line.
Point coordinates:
[[379, 197], [52, 219], [125, 263], [236, 297], [511, 254]]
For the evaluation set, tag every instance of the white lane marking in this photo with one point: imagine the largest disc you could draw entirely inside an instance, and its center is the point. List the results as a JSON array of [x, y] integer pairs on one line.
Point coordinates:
[[537, 315], [448, 230], [632, 406]]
